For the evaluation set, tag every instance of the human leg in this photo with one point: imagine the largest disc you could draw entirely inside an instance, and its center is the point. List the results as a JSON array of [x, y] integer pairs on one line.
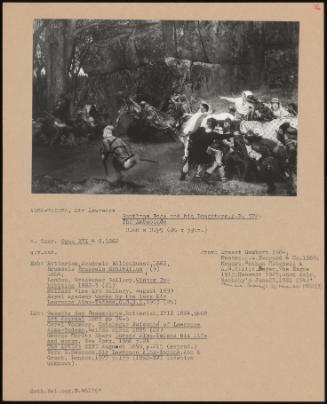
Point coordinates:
[[185, 170], [217, 163]]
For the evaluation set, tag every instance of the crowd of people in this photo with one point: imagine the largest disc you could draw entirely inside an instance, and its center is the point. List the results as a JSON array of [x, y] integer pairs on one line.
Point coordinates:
[[221, 142], [217, 146], [63, 127], [215, 143]]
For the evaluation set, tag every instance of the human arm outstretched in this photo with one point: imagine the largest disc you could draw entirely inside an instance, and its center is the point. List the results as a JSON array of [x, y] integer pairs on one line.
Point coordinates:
[[230, 99]]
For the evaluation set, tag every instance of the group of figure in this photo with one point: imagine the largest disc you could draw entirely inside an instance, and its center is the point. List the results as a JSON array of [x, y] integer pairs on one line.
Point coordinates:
[[219, 143], [214, 143], [61, 127], [146, 115]]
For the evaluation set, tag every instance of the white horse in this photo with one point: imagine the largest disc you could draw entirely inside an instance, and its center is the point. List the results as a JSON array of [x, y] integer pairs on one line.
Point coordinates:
[[267, 130]]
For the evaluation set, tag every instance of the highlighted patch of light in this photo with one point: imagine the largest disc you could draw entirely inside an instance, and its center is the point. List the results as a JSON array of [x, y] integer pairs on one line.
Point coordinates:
[[82, 73]]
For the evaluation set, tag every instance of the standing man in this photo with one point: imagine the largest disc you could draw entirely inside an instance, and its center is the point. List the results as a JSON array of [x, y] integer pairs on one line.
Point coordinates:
[[201, 153], [192, 125]]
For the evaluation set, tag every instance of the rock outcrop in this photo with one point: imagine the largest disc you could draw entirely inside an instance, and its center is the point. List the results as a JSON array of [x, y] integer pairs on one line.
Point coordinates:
[[205, 58]]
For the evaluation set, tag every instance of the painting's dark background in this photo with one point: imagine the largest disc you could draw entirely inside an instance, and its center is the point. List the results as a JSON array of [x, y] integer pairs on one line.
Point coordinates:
[[96, 60]]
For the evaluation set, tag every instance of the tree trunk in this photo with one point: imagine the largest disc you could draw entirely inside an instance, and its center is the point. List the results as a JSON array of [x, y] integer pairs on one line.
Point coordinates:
[[205, 55], [175, 39], [168, 35], [70, 26], [59, 51]]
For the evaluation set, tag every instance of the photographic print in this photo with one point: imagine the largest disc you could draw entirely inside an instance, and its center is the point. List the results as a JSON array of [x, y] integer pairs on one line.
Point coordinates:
[[165, 107]]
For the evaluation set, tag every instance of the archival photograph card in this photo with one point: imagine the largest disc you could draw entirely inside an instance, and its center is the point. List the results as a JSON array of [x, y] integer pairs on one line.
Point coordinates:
[[163, 202]]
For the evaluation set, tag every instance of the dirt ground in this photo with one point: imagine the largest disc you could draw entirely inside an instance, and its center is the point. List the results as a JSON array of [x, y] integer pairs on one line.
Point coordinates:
[[80, 170]]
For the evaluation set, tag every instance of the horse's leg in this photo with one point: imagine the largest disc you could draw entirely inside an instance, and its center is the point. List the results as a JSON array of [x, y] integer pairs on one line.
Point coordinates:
[[184, 140], [185, 170]]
